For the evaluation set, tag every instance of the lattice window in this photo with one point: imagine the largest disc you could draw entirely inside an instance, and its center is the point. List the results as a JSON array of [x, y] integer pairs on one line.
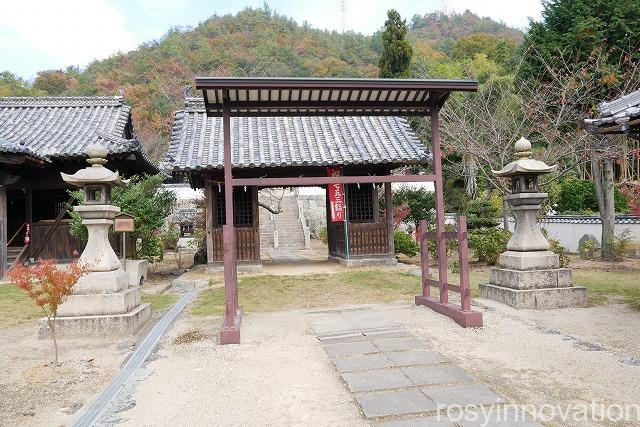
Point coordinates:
[[242, 208], [360, 203]]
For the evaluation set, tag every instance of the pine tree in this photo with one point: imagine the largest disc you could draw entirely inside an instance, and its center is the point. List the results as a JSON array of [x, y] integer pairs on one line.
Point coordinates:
[[396, 51]]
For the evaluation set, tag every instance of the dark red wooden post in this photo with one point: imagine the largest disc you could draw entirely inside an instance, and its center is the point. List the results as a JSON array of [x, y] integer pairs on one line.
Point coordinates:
[[230, 332], [3, 232], [463, 257], [424, 258], [440, 229]]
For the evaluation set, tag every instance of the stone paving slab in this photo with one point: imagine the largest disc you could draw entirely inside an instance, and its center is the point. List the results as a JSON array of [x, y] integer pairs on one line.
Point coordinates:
[[358, 319], [350, 349], [363, 363], [463, 395], [397, 344], [394, 403], [362, 335], [438, 374], [415, 357], [431, 421], [498, 417], [376, 380]]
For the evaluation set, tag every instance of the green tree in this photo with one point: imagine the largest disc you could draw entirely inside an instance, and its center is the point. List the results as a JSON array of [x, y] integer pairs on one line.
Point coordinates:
[[592, 47], [420, 202], [147, 202], [396, 51]]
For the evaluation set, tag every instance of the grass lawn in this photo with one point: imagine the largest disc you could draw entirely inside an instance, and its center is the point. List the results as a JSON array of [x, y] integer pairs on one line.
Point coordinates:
[[16, 307], [160, 302], [263, 293], [603, 284]]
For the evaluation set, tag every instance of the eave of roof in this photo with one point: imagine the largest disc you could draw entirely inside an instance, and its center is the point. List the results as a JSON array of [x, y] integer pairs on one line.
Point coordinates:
[[329, 97], [620, 116]]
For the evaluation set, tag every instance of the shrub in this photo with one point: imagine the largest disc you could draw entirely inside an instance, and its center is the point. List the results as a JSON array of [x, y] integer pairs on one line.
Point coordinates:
[[588, 249], [481, 214], [621, 243], [557, 248], [452, 244], [489, 243], [578, 196], [147, 202], [324, 235], [404, 244], [170, 237]]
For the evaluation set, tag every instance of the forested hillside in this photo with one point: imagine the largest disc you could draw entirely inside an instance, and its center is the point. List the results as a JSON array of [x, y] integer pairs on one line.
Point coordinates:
[[259, 42]]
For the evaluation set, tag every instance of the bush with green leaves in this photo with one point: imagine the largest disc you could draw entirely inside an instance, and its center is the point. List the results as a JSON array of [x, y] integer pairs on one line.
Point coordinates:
[[404, 244], [324, 235], [489, 243], [621, 243], [420, 202], [452, 244], [149, 204], [481, 213], [170, 237], [578, 197]]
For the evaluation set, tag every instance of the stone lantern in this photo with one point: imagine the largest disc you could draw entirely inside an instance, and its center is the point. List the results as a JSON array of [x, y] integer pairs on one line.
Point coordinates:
[[102, 300], [529, 275]]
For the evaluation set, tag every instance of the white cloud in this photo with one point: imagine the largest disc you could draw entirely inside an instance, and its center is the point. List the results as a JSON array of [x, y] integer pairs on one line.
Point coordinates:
[[71, 31]]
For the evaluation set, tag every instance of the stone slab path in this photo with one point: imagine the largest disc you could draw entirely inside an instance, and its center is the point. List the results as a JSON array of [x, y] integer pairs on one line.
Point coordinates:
[[398, 382]]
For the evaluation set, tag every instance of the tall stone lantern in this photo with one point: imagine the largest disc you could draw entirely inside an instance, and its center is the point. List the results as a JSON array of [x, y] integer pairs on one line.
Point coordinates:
[[529, 275], [103, 301]]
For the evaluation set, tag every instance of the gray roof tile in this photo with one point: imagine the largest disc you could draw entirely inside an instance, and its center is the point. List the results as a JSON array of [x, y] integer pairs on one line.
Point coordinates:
[[53, 127], [196, 141], [618, 111]]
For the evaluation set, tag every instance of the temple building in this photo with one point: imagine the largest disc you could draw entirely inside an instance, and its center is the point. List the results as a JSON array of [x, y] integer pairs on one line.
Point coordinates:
[[291, 146], [39, 138]]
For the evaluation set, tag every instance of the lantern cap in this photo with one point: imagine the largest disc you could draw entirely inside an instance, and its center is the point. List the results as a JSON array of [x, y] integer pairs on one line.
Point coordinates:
[[96, 174], [524, 163]]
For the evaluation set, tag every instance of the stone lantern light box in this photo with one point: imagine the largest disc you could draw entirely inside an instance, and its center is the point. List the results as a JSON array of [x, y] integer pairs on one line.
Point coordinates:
[[529, 275]]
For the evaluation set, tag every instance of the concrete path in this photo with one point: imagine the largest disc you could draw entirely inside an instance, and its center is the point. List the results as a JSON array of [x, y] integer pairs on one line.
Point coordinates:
[[399, 382]]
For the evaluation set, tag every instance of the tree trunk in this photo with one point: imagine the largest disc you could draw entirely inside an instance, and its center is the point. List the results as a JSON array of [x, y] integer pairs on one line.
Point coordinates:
[[55, 342], [606, 206]]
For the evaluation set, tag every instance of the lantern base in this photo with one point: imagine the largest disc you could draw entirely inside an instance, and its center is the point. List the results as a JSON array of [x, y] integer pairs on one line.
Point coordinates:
[[539, 299], [98, 326]]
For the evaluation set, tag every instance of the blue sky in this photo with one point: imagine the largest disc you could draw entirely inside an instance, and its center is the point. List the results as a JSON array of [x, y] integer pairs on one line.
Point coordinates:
[[50, 34]]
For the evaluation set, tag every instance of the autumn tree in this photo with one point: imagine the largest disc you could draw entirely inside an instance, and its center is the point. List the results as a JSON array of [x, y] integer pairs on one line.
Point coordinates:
[[396, 51], [49, 286]]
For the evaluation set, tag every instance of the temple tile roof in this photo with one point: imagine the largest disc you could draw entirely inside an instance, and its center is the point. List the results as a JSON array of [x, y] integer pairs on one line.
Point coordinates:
[[196, 141], [12, 148], [62, 127], [619, 111]]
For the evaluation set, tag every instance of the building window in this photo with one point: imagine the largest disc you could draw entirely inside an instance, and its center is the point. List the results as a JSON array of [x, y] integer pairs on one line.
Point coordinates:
[[242, 208], [360, 203]]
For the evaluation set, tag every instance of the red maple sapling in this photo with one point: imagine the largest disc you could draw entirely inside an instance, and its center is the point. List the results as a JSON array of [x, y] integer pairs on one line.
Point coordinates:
[[49, 286]]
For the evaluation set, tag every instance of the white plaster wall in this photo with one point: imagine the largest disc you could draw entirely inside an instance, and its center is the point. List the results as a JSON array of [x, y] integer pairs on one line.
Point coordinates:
[[569, 234]]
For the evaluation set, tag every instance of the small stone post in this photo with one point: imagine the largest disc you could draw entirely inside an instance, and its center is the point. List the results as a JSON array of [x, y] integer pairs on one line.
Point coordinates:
[[529, 275]]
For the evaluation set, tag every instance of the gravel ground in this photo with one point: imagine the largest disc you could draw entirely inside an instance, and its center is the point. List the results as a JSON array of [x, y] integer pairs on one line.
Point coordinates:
[[280, 375]]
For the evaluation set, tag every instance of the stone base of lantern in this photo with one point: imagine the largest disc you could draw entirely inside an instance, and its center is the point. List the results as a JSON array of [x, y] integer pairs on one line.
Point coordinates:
[[533, 280], [103, 303], [99, 326]]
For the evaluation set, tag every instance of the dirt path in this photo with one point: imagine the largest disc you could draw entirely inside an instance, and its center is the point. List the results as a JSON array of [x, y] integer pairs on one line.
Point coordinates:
[[280, 376]]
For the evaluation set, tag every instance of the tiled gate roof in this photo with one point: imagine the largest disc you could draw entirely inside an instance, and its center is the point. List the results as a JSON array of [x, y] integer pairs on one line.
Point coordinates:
[[196, 141]]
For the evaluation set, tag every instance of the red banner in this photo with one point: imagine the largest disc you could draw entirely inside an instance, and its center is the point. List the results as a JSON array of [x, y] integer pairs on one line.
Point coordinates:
[[336, 195]]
